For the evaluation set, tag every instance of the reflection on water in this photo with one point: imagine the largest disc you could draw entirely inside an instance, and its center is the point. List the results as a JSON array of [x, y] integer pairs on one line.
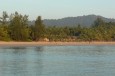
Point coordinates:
[[20, 61], [57, 61]]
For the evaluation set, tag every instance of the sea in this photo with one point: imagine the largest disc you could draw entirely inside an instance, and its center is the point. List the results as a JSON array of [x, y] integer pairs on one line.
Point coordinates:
[[57, 60]]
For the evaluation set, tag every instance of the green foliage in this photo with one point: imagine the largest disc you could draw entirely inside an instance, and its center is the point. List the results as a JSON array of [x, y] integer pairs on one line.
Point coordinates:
[[4, 34], [18, 27], [56, 33], [15, 27], [4, 17], [38, 29], [98, 22]]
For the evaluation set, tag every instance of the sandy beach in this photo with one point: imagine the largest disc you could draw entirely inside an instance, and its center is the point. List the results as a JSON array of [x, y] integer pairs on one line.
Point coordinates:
[[54, 43]]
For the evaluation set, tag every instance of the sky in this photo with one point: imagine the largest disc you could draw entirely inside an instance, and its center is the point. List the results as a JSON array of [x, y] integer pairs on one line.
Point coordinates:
[[56, 9]]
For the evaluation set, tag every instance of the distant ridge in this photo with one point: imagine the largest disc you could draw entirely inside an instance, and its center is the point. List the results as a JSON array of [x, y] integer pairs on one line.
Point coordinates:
[[86, 20]]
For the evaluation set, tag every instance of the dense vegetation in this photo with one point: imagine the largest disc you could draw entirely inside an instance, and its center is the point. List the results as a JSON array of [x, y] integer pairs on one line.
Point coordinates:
[[15, 27], [85, 20]]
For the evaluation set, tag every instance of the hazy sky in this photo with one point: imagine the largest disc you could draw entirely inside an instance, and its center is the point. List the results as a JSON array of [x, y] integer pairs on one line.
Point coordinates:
[[51, 9]]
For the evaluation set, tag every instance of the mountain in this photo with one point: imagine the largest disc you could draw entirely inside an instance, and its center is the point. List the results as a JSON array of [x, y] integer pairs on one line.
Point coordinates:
[[87, 20]]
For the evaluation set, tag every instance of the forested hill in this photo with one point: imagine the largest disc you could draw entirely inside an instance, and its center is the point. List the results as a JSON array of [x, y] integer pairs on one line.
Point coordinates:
[[87, 20], [72, 21]]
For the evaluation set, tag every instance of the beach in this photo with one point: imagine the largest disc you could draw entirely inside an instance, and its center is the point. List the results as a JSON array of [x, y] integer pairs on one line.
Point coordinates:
[[54, 43]]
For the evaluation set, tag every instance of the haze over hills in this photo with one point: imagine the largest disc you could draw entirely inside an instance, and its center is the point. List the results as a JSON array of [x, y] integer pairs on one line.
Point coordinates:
[[87, 20]]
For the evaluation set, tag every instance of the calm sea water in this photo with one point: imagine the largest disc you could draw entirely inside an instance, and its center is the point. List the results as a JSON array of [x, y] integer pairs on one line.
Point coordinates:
[[57, 61]]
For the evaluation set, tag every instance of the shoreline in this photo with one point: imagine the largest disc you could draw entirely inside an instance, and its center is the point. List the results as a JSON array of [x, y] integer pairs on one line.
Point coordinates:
[[54, 43]]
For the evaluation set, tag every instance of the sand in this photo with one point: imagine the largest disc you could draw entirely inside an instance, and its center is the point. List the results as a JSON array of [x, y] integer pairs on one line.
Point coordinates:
[[54, 43]]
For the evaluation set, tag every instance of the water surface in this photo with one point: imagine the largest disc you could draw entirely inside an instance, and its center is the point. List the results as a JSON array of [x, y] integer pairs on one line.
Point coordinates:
[[57, 61]]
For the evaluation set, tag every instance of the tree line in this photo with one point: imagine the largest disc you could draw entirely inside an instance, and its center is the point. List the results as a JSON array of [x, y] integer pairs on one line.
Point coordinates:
[[15, 27]]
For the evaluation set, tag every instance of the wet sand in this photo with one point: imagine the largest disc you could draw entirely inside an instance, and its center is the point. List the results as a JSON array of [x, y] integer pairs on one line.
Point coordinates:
[[54, 43]]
